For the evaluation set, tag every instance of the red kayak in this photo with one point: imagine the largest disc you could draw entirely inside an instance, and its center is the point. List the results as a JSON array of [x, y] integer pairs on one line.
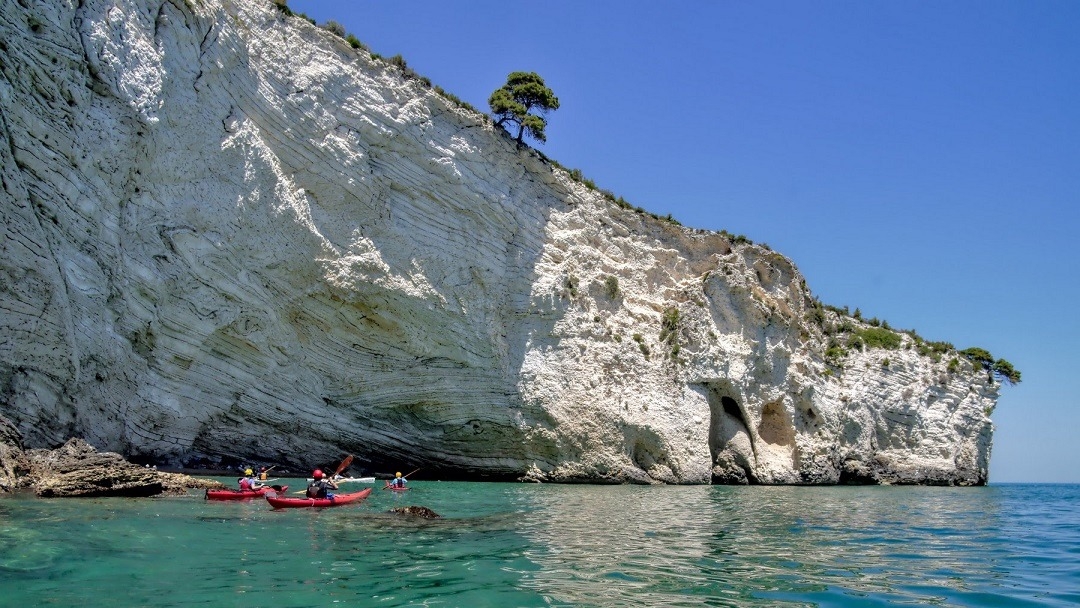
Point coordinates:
[[230, 494], [395, 488], [284, 502]]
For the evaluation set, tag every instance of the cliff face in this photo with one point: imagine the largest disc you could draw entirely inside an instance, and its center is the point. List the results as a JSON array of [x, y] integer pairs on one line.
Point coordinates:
[[229, 236]]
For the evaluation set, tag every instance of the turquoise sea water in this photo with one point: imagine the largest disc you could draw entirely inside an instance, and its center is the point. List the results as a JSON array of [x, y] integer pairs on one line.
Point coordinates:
[[554, 545]]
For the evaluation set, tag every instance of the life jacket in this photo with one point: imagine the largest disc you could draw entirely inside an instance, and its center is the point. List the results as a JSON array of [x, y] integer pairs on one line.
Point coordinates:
[[316, 489], [245, 484]]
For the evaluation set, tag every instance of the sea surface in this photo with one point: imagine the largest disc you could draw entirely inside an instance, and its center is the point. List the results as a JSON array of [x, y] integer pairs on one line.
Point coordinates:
[[554, 545]]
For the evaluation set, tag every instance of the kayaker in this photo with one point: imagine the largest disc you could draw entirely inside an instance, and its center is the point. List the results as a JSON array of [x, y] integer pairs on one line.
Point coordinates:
[[264, 473], [398, 481], [248, 481], [320, 486]]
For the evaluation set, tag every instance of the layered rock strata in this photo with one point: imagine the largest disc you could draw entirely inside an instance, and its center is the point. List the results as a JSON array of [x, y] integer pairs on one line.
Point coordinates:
[[229, 236]]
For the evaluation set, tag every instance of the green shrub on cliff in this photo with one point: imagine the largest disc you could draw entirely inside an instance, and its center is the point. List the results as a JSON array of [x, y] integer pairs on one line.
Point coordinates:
[[334, 28], [355, 43], [669, 329], [611, 287], [1006, 371], [641, 344], [816, 314], [669, 324], [879, 337], [1001, 369], [835, 353], [572, 285], [283, 7]]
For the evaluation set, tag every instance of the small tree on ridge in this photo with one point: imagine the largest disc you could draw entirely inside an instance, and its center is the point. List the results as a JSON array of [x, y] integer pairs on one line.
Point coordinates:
[[515, 102]]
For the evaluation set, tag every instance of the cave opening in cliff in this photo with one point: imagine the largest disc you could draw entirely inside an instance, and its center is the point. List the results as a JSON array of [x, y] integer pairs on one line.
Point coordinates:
[[731, 407], [776, 426], [730, 440]]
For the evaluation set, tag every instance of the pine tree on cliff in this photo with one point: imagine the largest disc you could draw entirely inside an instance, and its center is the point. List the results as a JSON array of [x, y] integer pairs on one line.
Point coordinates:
[[523, 101]]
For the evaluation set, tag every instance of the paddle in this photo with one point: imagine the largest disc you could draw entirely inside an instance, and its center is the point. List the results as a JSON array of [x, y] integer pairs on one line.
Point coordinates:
[[344, 465], [341, 467]]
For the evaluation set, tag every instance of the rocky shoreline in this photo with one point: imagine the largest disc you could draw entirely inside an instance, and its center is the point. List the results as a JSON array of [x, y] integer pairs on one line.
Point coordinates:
[[78, 469]]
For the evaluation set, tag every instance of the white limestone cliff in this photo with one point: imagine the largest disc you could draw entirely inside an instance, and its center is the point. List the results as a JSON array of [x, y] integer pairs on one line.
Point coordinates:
[[228, 236]]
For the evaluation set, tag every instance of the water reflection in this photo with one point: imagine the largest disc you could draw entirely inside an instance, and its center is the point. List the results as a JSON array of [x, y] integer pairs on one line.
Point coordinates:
[[775, 545], [619, 544]]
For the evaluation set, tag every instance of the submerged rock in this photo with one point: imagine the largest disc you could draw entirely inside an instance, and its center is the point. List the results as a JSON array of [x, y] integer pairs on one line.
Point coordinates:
[[424, 512]]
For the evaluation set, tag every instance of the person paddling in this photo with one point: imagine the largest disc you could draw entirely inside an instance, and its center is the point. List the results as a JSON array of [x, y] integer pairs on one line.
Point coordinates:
[[397, 482], [248, 481], [320, 486]]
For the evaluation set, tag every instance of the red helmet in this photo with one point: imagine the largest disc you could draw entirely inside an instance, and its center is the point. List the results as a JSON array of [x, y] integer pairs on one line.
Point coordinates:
[[317, 474]]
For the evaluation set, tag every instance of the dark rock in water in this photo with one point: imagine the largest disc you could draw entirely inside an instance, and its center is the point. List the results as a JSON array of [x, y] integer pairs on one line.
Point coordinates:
[[78, 469], [417, 511]]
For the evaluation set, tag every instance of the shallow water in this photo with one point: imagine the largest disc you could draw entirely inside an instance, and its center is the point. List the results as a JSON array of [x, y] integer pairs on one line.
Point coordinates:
[[554, 545]]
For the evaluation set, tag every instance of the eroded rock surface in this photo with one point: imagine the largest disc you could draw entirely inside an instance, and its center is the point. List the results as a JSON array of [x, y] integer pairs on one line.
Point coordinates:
[[228, 235], [14, 465], [77, 469]]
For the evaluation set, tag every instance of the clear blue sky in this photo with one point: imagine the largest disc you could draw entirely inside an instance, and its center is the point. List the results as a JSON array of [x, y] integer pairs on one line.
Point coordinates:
[[917, 160]]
